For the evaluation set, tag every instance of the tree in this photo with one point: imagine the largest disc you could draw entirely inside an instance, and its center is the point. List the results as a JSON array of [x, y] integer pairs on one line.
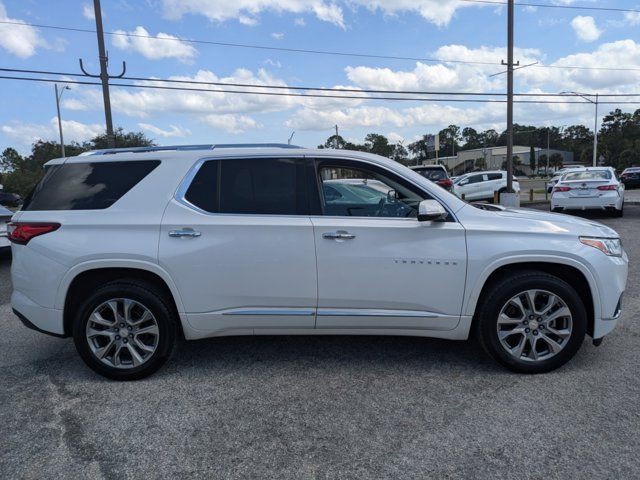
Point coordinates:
[[532, 159], [449, 140], [555, 160], [400, 154], [480, 163], [378, 144], [122, 140]]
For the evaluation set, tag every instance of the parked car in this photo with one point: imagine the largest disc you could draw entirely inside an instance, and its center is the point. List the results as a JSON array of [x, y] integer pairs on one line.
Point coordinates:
[[589, 189], [10, 199], [482, 185], [556, 177], [159, 242], [5, 217], [631, 177], [436, 173]]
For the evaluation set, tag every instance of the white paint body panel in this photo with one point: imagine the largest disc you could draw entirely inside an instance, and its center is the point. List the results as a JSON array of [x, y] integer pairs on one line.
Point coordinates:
[[252, 274]]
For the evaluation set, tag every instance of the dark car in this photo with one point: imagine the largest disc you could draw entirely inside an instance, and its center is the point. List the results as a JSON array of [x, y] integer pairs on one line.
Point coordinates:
[[10, 199], [631, 177], [436, 173]]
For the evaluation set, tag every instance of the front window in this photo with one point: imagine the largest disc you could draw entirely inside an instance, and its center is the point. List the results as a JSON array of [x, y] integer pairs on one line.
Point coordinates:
[[364, 192], [433, 174]]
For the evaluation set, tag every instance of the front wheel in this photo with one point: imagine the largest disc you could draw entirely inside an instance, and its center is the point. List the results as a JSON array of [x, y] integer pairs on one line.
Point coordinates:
[[124, 330], [531, 322]]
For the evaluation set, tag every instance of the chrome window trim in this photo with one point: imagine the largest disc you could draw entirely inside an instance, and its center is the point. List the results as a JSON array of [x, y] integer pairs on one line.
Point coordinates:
[[181, 191]]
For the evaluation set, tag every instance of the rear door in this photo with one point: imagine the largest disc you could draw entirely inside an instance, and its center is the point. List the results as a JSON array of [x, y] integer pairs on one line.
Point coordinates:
[[238, 242]]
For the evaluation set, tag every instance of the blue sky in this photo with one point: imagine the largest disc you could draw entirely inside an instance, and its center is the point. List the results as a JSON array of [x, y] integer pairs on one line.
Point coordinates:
[[440, 29]]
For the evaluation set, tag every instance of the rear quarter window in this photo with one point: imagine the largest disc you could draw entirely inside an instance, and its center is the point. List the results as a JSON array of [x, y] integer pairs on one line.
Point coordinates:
[[87, 186]]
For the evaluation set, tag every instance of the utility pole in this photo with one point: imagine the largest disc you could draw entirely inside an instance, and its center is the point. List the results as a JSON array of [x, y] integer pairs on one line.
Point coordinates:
[[335, 140], [595, 136], [510, 42], [291, 137], [58, 97], [104, 74]]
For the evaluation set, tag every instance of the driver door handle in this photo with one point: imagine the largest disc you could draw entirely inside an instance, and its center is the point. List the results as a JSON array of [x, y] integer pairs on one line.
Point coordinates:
[[184, 233], [339, 235]]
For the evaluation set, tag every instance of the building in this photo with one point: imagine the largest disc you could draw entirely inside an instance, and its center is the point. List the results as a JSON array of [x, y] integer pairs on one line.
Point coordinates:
[[494, 158]]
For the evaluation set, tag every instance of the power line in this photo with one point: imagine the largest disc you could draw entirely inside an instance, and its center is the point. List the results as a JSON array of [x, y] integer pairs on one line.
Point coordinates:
[[547, 5], [319, 52], [310, 95], [322, 89]]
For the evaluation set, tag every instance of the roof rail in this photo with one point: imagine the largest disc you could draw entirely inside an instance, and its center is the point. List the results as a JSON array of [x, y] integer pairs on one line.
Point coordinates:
[[111, 151]]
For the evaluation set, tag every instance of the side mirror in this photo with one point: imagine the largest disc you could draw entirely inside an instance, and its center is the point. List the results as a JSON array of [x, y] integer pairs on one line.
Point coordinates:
[[392, 196], [463, 182], [431, 211]]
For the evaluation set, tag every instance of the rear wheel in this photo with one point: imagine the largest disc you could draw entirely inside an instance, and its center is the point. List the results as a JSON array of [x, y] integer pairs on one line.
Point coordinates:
[[124, 330], [531, 322]]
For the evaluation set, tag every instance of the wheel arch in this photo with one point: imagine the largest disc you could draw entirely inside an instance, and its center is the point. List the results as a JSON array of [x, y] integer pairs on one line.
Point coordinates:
[[574, 273], [86, 277]]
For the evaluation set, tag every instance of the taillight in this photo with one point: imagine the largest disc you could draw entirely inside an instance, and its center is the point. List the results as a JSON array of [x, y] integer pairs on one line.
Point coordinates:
[[561, 189], [446, 182], [607, 187], [21, 233]]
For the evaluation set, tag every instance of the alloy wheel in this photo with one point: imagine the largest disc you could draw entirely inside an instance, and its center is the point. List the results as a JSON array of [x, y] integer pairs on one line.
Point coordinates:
[[534, 325], [122, 333]]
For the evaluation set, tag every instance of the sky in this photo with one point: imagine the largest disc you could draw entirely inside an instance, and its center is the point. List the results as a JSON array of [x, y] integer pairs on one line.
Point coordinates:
[[442, 31]]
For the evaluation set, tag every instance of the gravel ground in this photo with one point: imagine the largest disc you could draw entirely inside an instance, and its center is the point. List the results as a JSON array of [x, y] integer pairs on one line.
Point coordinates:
[[323, 407]]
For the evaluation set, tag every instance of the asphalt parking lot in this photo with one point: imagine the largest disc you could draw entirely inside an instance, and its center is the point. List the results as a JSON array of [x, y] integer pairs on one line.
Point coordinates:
[[323, 407]]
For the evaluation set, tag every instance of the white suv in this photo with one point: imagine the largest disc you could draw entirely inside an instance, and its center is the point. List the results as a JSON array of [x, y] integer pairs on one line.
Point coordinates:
[[126, 249], [482, 185]]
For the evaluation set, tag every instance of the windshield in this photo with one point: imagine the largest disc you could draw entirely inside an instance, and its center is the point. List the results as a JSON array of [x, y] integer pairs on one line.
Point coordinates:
[[588, 175]]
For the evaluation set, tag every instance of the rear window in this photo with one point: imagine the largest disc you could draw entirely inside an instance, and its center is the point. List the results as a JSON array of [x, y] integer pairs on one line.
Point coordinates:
[[588, 175], [275, 186], [434, 174], [86, 186]]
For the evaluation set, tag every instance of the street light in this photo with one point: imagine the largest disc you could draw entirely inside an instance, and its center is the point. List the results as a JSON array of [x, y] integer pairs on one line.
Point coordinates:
[[58, 97], [595, 125]]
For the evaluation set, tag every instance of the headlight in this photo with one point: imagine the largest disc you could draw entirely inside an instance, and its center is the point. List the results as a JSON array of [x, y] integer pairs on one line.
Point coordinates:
[[608, 246]]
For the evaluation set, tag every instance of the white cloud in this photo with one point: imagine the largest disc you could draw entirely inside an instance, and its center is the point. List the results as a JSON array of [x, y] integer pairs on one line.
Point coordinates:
[[300, 22], [586, 28], [87, 12], [632, 18], [232, 123], [19, 40], [174, 131], [438, 12], [27, 133], [278, 35], [156, 47]]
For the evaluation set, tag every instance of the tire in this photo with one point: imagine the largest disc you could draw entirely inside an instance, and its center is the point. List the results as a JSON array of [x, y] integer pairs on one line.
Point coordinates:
[[556, 210], [153, 345], [500, 297], [619, 213]]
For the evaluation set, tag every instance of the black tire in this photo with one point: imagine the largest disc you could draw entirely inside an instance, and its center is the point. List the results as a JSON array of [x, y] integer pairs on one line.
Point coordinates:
[[619, 213], [507, 287], [150, 298], [556, 210]]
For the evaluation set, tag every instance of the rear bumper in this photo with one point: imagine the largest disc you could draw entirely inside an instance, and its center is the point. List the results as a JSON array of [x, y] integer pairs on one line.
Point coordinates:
[[587, 203], [36, 317]]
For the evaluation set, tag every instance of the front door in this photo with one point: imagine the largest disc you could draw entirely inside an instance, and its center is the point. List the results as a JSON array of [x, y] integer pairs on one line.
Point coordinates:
[[378, 266], [239, 244]]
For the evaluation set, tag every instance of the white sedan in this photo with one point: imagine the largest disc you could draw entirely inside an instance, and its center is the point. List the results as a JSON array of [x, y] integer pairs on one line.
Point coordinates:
[[589, 189], [5, 216]]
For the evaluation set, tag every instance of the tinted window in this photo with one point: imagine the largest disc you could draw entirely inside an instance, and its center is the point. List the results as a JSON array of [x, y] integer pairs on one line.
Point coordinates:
[[434, 174], [476, 178], [494, 176], [86, 186], [251, 186]]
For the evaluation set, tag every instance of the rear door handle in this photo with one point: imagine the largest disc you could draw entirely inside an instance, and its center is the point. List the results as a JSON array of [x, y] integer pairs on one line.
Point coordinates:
[[339, 235], [185, 232]]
